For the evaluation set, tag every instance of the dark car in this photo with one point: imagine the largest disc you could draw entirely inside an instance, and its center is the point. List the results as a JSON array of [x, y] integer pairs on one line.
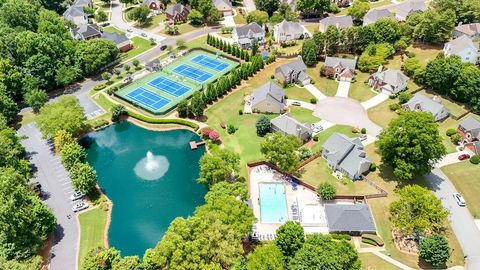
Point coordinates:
[[463, 157], [163, 47]]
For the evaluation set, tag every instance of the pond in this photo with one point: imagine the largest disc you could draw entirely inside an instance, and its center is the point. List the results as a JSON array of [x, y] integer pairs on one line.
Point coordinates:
[[150, 176]]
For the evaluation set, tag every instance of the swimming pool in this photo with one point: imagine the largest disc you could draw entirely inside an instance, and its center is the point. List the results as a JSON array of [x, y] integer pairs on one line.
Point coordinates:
[[273, 204]]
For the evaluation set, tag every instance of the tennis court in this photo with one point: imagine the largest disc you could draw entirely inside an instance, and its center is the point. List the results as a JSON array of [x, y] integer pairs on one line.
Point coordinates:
[[173, 88], [209, 62], [192, 73], [147, 98]]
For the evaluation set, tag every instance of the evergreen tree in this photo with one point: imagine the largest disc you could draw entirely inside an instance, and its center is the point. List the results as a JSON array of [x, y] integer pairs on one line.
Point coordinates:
[[242, 54], [247, 56]]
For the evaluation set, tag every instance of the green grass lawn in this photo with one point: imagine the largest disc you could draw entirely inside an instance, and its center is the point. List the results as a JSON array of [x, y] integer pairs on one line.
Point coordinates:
[[327, 86], [291, 49], [424, 52], [324, 135], [359, 89], [373, 262], [239, 19], [381, 114], [442, 129], [303, 115], [312, 28], [140, 45], [466, 178], [298, 93], [154, 21], [184, 28], [92, 226], [113, 29]]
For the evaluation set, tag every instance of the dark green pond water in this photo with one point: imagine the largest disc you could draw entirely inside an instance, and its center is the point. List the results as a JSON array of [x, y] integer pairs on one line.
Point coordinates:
[[147, 192]]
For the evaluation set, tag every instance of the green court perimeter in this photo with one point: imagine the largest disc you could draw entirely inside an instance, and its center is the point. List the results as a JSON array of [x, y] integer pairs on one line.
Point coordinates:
[[172, 84]]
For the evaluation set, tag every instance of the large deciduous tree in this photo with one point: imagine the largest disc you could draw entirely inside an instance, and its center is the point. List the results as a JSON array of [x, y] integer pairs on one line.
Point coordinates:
[[310, 52], [268, 6], [221, 165], [139, 14], [290, 238], [267, 257], [431, 26], [411, 144], [84, 177], [281, 151], [35, 98], [72, 153], [95, 54], [358, 9], [20, 13], [257, 16], [313, 6]]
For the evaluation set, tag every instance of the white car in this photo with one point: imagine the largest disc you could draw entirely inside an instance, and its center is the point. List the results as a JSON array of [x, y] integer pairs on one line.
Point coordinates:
[[459, 199], [79, 206], [77, 195], [363, 137]]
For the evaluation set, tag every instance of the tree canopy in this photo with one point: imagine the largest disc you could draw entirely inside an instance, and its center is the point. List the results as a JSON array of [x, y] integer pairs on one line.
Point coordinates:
[[221, 165], [281, 151], [290, 238], [434, 249], [267, 257]]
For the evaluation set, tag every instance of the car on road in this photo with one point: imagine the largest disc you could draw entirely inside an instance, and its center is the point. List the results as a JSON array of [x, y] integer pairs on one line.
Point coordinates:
[[463, 157], [79, 206], [459, 199], [363, 137], [143, 35], [77, 195], [317, 128], [296, 103], [163, 47], [129, 30]]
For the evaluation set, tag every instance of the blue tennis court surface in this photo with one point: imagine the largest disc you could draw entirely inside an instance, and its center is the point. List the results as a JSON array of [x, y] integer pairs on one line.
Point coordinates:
[[148, 98], [169, 86], [209, 62], [192, 73]]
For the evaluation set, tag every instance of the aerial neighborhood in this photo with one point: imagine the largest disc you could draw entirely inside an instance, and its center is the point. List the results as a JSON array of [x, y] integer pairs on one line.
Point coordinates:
[[249, 134]]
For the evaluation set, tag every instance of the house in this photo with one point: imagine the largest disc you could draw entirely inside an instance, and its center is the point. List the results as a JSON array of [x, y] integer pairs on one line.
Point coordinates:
[[463, 47], [243, 35], [353, 219], [342, 3], [293, 72], [346, 155], [269, 98], [225, 7], [469, 130], [76, 15], [287, 125], [374, 15], [177, 13], [342, 69], [121, 41], [422, 103], [388, 81], [153, 65], [287, 31], [340, 22], [471, 30], [83, 3], [406, 8], [86, 32], [291, 3], [153, 4]]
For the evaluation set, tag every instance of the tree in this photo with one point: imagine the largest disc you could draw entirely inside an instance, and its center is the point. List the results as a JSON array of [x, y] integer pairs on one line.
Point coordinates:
[[280, 150], [65, 114], [20, 13], [117, 111], [84, 177], [182, 108], [442, 72], [267, 257], [418, 211], [358, 9], [36, 98], [136, 62], [263, 125], [198, 104], [62, 138], [284, 12], [195, 17], [12, 153], [181, 43], [221, 165], [313, 6], [95, 54], [332, 39], [71, 154], [434, 250], [268, 6], [100, 259], [8, 107], [101, 16], [309, 52], [128, 263], [374, 56], [33, 263], [326, 191], [106, 76], [467, 86], [67, 74], [386, 30], [258, 16], [10, 79], [290, 238], [139, 14], [411, 144], [254, 47], [431, 26]]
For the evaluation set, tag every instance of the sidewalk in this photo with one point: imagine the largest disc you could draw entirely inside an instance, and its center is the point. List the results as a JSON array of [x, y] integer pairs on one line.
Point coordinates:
[[392, 261], [315, 92]]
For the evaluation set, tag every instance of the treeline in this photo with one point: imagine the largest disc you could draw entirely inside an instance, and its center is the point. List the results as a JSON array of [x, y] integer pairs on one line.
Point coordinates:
[[228, 48], [38, 54]]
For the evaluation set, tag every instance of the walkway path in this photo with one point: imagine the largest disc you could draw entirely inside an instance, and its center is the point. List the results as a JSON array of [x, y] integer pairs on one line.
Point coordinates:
[[343, 88], [374, 101], [392, 261], [315, 92], [57, 189]]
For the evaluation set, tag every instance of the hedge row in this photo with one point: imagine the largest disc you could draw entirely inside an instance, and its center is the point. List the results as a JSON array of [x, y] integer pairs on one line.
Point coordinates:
[[162, 121], [372, 239], [341, 236]]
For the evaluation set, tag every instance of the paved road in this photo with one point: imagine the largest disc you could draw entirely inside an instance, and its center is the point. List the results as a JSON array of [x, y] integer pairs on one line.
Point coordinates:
[[461, 220], [57, 188]]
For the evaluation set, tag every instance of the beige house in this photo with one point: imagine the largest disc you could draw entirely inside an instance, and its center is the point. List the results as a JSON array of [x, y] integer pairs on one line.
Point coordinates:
[[223, 6], [269, 98]]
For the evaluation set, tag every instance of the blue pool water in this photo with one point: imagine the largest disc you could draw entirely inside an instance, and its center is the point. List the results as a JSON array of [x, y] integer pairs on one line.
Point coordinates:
[[273, 204]]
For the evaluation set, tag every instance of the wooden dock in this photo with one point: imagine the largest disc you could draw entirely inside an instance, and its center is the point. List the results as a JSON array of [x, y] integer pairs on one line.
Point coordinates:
[[194, 145]]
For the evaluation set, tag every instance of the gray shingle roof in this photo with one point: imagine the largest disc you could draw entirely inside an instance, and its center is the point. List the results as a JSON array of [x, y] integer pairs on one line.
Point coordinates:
[[269, 89], [471, 124], [289, 125], [216, 3], [349, 218], [392, 77], [173, 10], [408, 7], [338, 21], [73, 11], [297, 65], [115, 37], [289, 27], [249, 29], [85, 31], [459, 44], [426, 104], [343, 62], [376, 14], [471, 29], [83, 3]]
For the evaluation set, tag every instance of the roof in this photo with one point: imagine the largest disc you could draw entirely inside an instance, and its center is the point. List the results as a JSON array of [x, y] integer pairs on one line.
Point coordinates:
[[459, 44], [115, 37], [376, 14], [249, 29], [297, 65], [73, 11], [471, 29], [84, 31], [217, 3], [83, 3], [471, 124], [406, 8], [392, 77], [153, 63], [267, 90], [289, 125], [289, 27], [349, 218], [426, 104], [173, 10], [337, 21], [343, 62]]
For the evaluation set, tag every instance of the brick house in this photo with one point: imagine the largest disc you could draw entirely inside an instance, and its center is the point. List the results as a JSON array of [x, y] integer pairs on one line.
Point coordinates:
[[469, 130], [177, 13], [342, 69]]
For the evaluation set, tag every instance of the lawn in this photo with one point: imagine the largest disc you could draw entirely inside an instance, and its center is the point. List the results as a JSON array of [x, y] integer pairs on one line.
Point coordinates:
[[183, 28], [466, 178], [442, 129], [373, 262], [298, 93], [113, 29], [303, 115], [140, 45], [290, 49], [424, 52], [381, 114], [324, 135], [154, 21], [312, 28], [239, 19], [359, 89], [92, 227], [327, 86]]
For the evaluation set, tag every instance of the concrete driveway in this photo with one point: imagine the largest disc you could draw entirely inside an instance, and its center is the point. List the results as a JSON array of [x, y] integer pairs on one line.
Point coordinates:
[[345, 111], [303, 104], [57, 189], [249, 5], [374, 101], [229, 21], [343, 88], [461, 220], [315, 92]]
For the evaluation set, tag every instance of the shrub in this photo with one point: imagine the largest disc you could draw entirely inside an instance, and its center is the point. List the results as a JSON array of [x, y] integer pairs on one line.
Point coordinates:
[[434, 250], [326, 191], [240, 112], [305, 152], [373, 167], [117, 111], [455, 138], [315, 138], [404, 97], [99, 86], [214, 135], [374, 238], [394, 107], [263, 125], [231, 129], [450, 132], [475, 159], [272, 76], [313, 100], [363, 131], [162, 120], [369, 242], [341, 236], [98, 123]]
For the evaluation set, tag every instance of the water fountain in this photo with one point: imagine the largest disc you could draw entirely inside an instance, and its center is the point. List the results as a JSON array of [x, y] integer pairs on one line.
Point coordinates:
[[152, 167]]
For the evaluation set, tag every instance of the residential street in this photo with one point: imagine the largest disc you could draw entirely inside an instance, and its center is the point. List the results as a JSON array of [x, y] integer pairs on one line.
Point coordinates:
[[57, 189], [461, 220]]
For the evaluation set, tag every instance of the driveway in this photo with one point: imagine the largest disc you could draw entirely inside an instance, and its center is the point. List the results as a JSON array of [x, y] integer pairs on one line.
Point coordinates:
[[56, 187], [229, 21], [461, 220], [374, 101], [343, 88], [345, 111], [315, 92], [249, 5], [451, 158], [303, 104]]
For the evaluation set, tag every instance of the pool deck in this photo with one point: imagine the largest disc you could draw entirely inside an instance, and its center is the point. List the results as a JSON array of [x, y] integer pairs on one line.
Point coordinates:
[[311, 208]]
